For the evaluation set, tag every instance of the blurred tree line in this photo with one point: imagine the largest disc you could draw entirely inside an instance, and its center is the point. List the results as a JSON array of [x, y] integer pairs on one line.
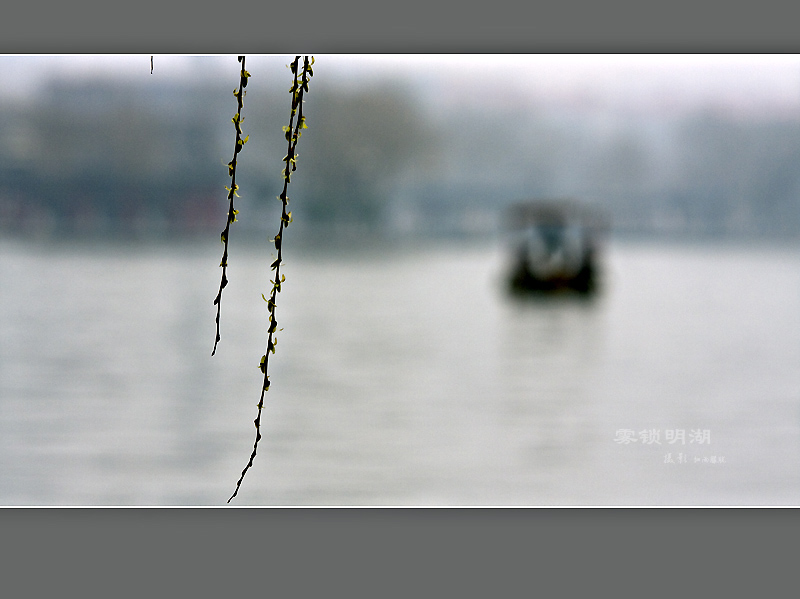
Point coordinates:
[[115, 158], [109, 158], [105, 158], [703, 173]]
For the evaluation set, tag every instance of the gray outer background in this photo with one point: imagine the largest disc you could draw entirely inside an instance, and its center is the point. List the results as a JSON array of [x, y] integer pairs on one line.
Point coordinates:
[[387, 552]]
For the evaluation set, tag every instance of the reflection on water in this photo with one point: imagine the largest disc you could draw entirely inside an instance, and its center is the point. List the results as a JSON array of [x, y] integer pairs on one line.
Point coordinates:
[[548, 356], [403, 377]]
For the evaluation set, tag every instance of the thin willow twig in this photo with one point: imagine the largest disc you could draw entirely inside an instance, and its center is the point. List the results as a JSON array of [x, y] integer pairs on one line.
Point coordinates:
[[293, 133], [232, 191]]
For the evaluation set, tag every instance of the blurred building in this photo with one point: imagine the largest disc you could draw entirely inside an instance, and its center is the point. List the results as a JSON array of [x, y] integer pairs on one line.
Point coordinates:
[[108, 158]]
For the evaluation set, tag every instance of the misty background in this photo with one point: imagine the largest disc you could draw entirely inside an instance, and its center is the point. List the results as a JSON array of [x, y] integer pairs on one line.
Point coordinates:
[[399, 146]]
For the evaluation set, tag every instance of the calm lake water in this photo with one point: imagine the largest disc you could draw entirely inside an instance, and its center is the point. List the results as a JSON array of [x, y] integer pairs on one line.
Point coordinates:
[[404, 376]]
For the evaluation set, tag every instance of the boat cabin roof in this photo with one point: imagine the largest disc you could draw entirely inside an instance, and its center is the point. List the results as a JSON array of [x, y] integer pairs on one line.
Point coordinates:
[[556, 213]]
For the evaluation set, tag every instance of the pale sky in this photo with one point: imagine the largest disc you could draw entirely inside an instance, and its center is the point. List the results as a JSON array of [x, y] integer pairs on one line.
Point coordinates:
[[684, 78]]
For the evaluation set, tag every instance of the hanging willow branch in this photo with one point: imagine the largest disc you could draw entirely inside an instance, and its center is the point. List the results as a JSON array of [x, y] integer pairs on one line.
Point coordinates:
[[232, 190], [293, 132]]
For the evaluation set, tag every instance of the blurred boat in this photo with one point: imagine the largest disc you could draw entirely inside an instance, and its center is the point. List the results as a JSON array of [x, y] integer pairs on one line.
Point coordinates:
[[556, 245]]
